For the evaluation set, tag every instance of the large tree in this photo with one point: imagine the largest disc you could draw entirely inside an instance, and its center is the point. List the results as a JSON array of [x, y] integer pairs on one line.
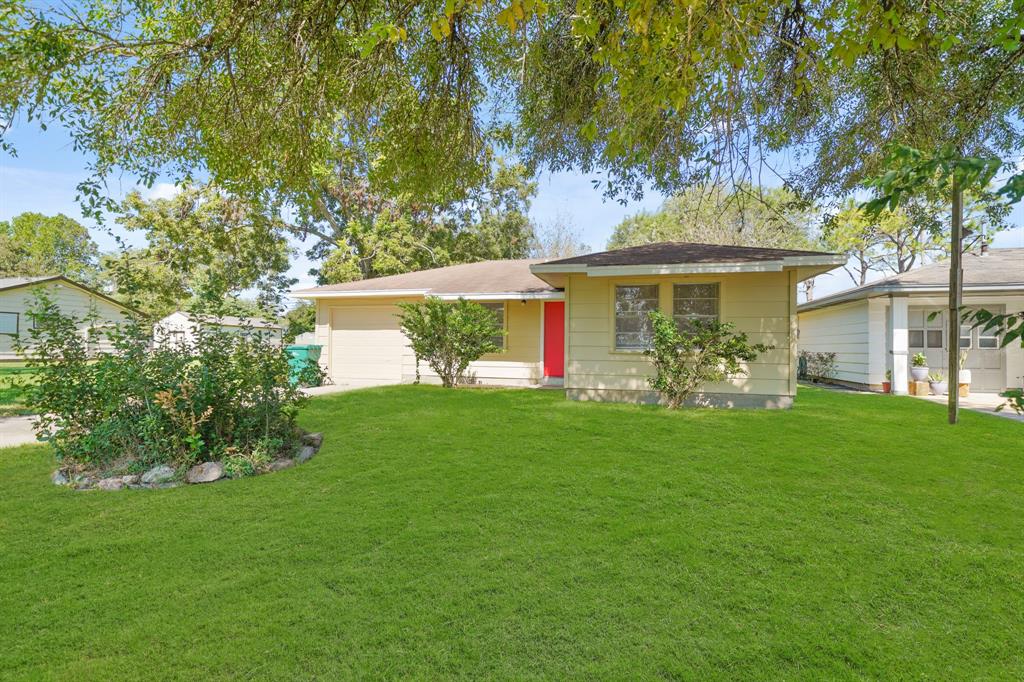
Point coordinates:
[[768, 217], [373, 236], [37, 244], [204, 248]]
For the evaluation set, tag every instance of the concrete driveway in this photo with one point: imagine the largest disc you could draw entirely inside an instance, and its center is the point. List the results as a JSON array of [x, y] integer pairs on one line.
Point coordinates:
[[980, 402], [16, 431]]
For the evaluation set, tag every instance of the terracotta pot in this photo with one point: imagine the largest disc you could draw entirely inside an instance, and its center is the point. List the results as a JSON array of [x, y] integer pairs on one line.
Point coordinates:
[[886, 387]]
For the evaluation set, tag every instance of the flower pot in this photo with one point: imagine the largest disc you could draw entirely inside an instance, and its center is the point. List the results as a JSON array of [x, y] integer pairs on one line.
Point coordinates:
[[939, 387], [886, 387], [919, 373]]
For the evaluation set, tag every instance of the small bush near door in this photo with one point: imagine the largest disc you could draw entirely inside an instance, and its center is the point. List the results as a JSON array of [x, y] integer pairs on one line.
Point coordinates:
[[225, 396], [448, 335]]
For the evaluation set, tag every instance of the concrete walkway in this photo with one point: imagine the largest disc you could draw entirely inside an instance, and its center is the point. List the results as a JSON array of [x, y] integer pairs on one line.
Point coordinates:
[[979, 402], [16, 431]]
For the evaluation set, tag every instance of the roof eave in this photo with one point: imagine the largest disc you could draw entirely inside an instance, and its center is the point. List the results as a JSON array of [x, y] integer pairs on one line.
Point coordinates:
[[820, 264], [903, 290]]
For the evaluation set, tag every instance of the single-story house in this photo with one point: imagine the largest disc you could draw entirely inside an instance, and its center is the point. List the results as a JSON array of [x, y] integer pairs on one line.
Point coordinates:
[[180, 328], [17, 294], [878, 327], [581, 323]]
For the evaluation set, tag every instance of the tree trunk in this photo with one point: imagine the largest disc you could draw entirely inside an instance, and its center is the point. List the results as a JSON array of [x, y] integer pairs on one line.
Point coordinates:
[[956, 281]]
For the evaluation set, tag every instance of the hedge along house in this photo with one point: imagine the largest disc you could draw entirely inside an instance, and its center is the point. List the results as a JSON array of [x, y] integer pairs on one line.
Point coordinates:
[[582, 322], [17, 295], [877, 328]]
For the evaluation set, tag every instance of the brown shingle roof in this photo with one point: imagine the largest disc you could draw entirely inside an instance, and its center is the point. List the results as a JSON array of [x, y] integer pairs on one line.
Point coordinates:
[[486, 277], [676, 253]]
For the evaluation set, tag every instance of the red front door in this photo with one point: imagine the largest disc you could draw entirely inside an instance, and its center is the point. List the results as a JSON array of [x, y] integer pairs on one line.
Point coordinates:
[[554, 338]]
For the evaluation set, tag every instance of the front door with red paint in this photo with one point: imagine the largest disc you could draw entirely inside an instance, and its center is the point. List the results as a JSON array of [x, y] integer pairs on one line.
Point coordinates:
[[554, 338]]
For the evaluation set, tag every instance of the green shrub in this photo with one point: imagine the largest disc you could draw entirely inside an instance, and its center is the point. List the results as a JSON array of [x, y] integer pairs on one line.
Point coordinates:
[[817, 366], [449, 335], [173, 405], [707, 352]]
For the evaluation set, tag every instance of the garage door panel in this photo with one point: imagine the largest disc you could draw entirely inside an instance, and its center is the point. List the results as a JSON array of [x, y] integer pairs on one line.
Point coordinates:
[[366, 345]]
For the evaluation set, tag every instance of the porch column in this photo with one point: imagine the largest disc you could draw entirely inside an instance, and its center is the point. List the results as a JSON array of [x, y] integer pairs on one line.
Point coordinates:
[[899, 317], [878, 357]]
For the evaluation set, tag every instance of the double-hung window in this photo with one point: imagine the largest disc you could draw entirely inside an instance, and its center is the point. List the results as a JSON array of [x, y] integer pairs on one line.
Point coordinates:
[[692, 302], [925, 330], [9, 323], [499, 318], [633, 329]]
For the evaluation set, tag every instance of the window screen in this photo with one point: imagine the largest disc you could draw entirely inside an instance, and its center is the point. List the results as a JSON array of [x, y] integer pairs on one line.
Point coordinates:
[[633, 328]]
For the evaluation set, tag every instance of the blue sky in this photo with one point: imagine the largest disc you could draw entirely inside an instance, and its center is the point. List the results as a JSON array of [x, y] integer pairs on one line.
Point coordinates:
[[43, 177]]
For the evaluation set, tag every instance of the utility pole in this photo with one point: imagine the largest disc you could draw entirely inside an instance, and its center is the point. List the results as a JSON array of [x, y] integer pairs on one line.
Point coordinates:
[[956, 281]]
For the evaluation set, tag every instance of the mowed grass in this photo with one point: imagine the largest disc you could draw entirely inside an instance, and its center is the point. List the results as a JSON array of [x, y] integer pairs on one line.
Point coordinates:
[[513, 534], [14, 377]]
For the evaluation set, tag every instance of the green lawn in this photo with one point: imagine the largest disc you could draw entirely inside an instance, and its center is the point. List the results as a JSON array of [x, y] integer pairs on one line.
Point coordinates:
[[14, 376], [514, 534]]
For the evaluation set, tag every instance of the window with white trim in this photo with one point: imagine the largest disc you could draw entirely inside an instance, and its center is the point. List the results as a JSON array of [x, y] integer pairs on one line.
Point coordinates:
[[633, 328], [966, 334], [499, 317], [924, 332], [694, 302], [9, 323], [988, 339]]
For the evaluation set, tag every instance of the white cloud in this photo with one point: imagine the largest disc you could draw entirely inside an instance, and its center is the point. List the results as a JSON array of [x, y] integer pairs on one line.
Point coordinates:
[[163, 190]]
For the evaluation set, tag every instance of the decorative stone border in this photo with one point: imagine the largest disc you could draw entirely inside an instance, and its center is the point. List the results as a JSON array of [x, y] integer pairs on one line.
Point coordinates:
[[163, 476]]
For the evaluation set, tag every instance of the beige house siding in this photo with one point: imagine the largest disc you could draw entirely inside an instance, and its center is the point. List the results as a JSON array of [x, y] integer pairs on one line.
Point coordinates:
[[843, 330], [70, 299], [519, 364], [760, 304]]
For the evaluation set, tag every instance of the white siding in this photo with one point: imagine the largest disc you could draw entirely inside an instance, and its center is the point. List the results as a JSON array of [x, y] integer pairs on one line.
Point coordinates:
[[70, 299], [843, 330]]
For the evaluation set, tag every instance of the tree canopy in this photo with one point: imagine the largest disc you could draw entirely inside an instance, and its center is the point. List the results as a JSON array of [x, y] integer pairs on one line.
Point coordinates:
[[285, 97], [204, 248], [37, 244], [767, 217]]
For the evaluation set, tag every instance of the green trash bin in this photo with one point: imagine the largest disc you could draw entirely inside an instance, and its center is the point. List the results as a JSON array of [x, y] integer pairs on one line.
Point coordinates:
[[299, 357]]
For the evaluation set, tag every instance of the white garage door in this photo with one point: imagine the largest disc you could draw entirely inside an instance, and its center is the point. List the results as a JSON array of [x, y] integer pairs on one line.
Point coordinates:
[[366, 345]]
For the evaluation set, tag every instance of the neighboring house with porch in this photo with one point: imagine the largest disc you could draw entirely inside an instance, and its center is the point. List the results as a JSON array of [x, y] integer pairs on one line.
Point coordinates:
[[581, 323], [878, 327], [180, 328], [17, 294]]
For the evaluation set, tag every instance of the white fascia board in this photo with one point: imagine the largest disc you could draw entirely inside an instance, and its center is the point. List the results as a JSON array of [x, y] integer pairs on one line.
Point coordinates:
[[683, 269], [544, 267], [359, 294], [506, 296], [802, 261]]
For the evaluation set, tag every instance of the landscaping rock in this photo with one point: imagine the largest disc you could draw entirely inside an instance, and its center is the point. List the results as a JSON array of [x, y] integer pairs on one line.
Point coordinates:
[[113, 483], [83, 481], [158, 474], [305, 454], [279, 464], [207, 472], [60, 477], [313, 439], [131, 479]]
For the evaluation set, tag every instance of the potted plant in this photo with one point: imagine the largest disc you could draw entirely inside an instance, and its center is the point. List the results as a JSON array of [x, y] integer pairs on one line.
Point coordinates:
[[937, 382], [964, 380], [919, 367], [887, 384]]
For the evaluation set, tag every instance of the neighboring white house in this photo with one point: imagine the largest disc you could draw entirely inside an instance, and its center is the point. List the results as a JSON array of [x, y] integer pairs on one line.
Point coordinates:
[[878, 327], [179, 328], [18, 293]]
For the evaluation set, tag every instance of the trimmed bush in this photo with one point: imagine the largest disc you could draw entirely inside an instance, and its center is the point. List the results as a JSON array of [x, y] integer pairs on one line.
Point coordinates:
[[449, 335]]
